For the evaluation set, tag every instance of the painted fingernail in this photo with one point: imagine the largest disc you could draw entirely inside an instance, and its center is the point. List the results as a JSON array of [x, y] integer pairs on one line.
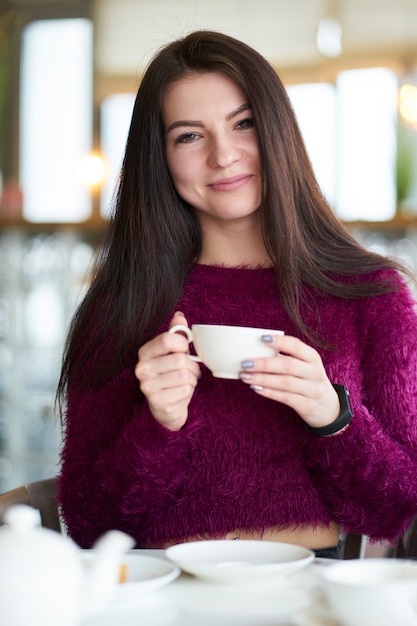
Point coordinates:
[[245, 376], [247, 364], [256, 387], [267, 338]]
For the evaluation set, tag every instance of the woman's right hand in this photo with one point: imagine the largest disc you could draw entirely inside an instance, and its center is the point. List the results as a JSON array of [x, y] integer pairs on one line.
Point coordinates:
[[167, 376]]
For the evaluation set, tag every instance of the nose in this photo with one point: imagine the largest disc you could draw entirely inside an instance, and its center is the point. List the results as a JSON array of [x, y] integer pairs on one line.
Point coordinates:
[[223, 151]]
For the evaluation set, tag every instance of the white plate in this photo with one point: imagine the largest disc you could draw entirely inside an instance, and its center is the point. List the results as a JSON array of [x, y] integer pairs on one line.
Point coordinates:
[[144, 575], [239, 561]]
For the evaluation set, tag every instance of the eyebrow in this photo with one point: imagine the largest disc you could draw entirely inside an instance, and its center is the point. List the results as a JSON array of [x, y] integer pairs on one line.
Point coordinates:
[[197, 124]]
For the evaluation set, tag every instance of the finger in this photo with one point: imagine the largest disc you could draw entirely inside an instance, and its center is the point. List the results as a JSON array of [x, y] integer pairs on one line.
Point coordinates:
[[283, 384], [301, 404], [168, 381], [316, 409], [280, 366], [166, 406], [178, 318], [165, 343], [163, 401], [302, 362], [173, 362], [291, 346]]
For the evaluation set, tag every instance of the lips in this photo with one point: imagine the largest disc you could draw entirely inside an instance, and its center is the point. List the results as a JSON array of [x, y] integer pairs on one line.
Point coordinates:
[[231, 184]]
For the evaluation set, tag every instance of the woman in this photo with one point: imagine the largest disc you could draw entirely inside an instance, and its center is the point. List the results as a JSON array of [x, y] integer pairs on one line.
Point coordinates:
[[219, 219]]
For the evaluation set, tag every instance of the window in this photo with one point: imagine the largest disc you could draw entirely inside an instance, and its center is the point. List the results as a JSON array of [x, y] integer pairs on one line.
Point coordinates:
[[55, 119], [315, 108], [350, 134], [116, 113], [367, 117]]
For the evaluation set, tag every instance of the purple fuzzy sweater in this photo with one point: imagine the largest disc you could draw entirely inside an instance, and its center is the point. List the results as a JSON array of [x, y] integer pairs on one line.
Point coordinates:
[[243, 461]]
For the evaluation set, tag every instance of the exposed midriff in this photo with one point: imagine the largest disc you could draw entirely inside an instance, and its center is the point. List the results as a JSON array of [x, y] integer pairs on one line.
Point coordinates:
[[312, 537]]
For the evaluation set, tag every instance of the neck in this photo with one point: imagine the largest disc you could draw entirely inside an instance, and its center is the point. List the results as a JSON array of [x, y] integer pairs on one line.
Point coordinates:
[[234, 246], [251, 261]]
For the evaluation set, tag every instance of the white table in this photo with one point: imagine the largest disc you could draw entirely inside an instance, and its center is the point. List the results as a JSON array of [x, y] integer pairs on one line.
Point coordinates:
[[189, 601]]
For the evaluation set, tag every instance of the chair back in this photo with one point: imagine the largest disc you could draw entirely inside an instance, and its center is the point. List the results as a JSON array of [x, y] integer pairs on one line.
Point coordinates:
[[353, 546], [407, 544], [41, 495]]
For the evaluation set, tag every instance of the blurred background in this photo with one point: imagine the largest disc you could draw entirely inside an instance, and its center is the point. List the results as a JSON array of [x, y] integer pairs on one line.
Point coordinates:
[[69, 71]]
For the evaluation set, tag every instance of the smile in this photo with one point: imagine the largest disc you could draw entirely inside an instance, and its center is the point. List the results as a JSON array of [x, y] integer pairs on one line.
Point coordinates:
[[231, 184]]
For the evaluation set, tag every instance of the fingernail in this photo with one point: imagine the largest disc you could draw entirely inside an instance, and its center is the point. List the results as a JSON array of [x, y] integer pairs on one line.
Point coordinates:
[[256, 387], [245, 376], [267, 338], [247, 364], [179, 313]]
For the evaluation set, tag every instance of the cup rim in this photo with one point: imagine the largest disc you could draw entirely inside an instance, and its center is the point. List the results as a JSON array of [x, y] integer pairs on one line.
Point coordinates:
[[232, 326], [331, 575]]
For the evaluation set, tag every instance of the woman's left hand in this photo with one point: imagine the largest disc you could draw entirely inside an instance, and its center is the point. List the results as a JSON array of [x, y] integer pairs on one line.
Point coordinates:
[[296, 377]]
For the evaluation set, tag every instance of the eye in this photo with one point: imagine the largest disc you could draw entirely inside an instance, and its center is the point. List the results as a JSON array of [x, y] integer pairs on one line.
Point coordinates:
[[245, 124], [186, 138]]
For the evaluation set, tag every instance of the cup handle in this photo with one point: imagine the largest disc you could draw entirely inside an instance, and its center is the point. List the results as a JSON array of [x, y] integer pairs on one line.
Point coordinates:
[[180, 328]]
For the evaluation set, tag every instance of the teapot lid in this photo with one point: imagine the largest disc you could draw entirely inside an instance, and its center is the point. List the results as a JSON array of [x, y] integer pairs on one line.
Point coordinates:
[[23, 534], [22, 518]]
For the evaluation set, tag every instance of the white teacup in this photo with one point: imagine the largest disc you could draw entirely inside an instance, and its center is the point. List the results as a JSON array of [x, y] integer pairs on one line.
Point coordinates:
[[368, 592], [223, 348]]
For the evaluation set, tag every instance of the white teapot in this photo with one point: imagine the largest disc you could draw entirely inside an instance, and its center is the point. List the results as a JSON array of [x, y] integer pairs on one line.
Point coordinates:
[[44, 580]]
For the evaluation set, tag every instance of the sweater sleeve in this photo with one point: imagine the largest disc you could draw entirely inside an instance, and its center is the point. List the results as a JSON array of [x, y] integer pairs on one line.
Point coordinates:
[[116, 457], [368, 473]]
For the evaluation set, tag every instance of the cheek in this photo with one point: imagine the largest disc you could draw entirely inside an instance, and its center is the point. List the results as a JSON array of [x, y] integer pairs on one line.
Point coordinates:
[[254, 153], [183, 170]]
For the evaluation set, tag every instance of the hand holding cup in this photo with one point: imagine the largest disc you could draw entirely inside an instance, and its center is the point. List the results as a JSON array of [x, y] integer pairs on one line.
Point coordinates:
[[223, 348]]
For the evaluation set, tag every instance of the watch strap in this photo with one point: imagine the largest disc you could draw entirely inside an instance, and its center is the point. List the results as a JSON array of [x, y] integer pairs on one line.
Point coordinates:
[[346, 414]]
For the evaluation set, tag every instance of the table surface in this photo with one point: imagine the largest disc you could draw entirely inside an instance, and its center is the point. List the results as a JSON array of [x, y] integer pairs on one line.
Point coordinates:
[[190, 601]]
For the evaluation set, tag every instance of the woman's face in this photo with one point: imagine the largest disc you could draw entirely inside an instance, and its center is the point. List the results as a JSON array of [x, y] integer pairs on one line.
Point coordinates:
[[212, 147]]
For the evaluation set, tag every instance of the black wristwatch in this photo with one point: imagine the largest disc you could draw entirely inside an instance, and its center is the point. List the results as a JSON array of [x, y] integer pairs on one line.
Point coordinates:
[[346, 414]]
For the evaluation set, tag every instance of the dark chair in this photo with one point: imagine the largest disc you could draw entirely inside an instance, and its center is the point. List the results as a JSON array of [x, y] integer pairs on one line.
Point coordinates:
[[353, 546], [41, 495], [407, 544]]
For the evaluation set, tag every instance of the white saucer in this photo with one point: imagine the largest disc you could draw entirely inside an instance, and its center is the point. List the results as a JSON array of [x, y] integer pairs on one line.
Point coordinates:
[[239, 561]]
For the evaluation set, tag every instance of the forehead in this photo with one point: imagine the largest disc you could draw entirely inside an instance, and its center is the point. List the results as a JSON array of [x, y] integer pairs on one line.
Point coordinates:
[[202, 92]]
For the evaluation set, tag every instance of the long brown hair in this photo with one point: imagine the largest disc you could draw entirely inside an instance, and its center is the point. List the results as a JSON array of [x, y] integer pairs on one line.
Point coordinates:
[[154, 239]]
